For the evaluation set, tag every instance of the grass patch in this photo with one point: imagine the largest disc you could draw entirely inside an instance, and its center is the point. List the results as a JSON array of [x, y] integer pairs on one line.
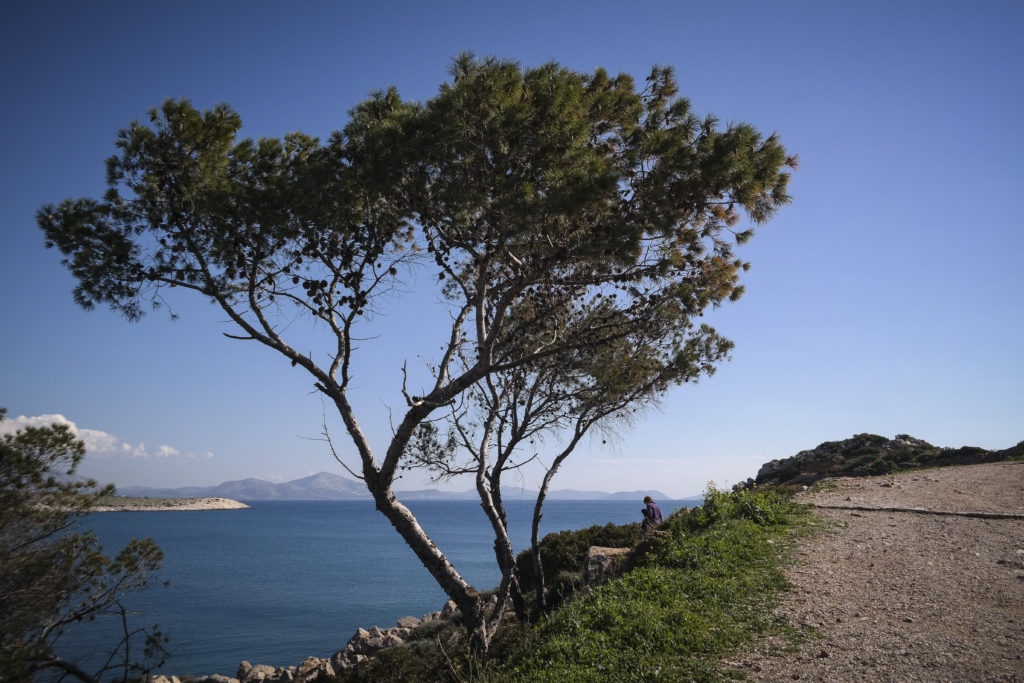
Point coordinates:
[[706, 589], [824, 485]]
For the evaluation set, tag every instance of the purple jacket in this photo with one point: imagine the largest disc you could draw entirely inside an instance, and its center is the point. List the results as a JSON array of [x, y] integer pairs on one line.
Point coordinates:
[[652, 512]]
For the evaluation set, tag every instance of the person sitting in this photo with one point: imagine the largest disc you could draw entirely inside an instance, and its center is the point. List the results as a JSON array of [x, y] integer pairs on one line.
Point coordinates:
[[652, 516]]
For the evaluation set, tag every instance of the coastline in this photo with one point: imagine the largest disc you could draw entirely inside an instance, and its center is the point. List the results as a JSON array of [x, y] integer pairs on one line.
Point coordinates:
[[116, 504]]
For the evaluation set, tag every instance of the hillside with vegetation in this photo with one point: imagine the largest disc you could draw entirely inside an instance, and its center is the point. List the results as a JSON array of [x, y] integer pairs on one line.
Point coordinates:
[[686, 598], [869, 454]]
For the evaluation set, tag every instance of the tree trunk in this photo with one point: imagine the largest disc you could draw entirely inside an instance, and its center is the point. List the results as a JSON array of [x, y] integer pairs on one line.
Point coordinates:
[[538, 566], [466, 598], [542, 494], [504, 554]]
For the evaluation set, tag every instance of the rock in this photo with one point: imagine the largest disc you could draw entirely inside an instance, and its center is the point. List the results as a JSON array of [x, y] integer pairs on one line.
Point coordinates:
[[324, 668], [391, 640], [408, 622], [164, 679], [345, 660], [215, 678], [361, 634], [312, 668], [432, 616], [247, 673], [366, 642], [448, 610], [307, 665], [768, 469], [601, 564]]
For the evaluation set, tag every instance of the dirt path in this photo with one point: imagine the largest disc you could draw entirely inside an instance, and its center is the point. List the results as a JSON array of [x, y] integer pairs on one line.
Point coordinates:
[[908, 595]]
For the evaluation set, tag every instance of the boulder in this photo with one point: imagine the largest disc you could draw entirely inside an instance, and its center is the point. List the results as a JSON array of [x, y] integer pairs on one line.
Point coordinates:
[[324, 668], [312, 668], [391, 640], [247, 673], [408, 622], [307, 665], [367, 642], [768, 469], [448, 610], [360, 635], [602, 564], [345, 660]]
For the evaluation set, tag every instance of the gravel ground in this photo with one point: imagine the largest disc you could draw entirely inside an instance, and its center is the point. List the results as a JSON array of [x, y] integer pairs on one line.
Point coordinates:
[[894, 592]]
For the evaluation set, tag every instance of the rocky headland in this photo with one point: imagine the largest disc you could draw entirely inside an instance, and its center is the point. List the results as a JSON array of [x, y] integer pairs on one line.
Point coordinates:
[[118, 504], [363, 644], [865, 455]]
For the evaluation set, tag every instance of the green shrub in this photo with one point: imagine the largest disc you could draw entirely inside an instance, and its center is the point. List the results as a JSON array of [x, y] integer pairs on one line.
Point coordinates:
[[767, 506], [564, 551]]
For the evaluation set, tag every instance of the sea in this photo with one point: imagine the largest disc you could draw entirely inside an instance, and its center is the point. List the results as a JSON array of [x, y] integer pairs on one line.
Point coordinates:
[[284, 580]]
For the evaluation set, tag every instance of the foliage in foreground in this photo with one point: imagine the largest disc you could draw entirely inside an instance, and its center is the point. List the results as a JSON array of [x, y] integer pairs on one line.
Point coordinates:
[[52, 576], [695, 595]]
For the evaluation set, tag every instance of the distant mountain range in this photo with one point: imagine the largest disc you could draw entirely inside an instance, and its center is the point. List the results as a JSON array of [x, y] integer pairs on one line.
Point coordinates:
[[326, 486]]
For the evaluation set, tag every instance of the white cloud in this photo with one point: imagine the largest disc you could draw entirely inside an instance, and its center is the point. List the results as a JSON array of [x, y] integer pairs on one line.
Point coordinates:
[[167, 452], [98, 443]]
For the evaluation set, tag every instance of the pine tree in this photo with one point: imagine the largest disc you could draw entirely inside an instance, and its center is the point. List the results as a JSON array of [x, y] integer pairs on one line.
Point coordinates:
[[53, 575]]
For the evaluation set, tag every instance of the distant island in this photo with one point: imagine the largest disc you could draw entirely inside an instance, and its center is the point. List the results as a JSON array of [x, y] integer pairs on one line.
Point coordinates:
[[133, 504], [327, 486]]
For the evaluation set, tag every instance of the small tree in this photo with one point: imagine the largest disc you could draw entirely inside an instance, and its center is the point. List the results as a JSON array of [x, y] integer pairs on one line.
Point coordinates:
[[52, 576], [557, 213]]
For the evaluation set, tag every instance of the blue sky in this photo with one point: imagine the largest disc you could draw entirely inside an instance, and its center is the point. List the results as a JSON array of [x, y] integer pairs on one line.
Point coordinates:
[[888, 298]]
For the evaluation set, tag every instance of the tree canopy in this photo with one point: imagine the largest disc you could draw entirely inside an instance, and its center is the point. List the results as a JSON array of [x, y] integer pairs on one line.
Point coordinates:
[[568, 220]]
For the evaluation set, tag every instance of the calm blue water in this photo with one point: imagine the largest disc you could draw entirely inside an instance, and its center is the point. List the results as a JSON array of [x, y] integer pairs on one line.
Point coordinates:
[[285, 580]]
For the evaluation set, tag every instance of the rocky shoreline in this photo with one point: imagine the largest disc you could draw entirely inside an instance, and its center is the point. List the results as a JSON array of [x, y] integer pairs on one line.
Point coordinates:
[[114, 504], [362, 645], [599, 566]]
